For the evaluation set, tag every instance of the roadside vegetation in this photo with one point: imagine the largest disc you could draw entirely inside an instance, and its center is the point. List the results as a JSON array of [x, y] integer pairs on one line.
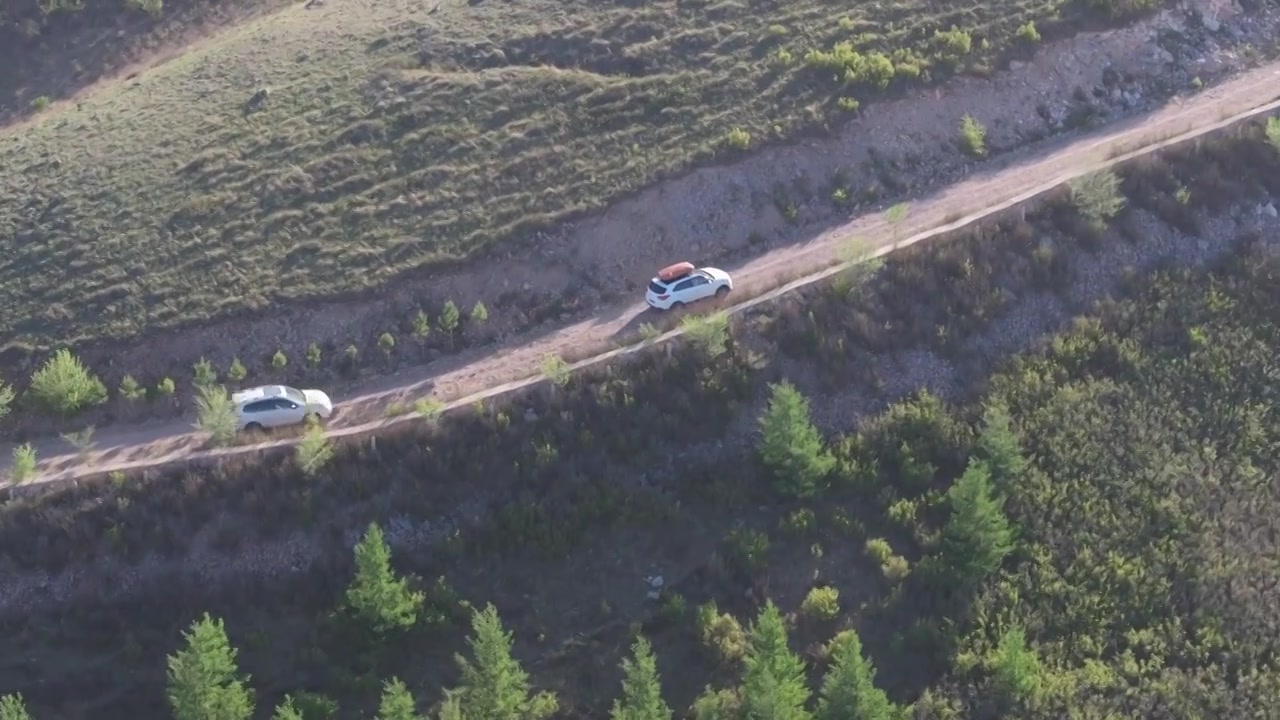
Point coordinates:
[[320, 152], [1082, 530]]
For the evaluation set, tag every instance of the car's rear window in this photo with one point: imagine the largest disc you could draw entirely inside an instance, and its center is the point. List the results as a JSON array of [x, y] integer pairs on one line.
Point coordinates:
[[657, 287]]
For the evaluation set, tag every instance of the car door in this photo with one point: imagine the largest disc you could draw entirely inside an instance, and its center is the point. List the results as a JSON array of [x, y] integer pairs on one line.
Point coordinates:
[[680, 293], [285, 412], [700, 288], [257, 412]]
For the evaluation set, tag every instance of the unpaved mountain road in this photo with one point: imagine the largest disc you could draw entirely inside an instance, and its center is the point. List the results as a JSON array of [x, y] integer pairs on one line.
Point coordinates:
[[1002, 184]]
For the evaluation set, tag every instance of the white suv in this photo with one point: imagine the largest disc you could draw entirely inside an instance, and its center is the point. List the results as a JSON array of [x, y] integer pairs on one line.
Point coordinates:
[[273, 406], [680, 284]]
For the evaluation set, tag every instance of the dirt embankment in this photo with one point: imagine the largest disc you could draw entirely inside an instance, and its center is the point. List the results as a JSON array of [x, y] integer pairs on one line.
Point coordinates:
[[1009, 181]]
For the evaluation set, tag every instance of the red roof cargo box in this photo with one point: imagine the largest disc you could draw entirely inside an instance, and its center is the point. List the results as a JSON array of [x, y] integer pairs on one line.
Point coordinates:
[[674, 272]]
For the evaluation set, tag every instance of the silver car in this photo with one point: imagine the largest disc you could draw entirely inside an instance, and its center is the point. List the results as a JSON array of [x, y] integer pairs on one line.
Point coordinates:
[[273, 406]]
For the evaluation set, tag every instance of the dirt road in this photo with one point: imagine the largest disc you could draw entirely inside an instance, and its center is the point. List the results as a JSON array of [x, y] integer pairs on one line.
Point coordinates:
[[462, 381]]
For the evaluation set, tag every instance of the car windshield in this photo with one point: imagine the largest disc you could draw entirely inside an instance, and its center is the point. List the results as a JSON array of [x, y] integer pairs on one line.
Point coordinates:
[[295, 395], [657, 287]]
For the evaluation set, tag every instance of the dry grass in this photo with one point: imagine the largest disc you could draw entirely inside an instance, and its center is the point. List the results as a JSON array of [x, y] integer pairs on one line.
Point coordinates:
[[395, 137]]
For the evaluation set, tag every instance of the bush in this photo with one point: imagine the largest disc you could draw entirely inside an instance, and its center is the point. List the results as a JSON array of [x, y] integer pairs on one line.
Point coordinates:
[[790, 446], [41, 103], [387, 343], [1273, 132], [204, 373], [130, 389], [1097, 197], [216, 414], [1028, 33], [314, 451], [799, 521], [722, 633], [716, 705], [449, 319], [953, 45], [748, 550], [555, 369], [479, 313], [64, 385], [24, 464], [708, 333], [6, 399], [879, 549], [429, 408], [279, 361], [313, 355], [822, 603], [852, 67], [237, 371], [165, 387], [738, 139], [421, 327], [973, 137]]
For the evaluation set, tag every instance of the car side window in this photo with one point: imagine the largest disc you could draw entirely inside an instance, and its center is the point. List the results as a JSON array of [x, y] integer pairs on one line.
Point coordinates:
[[284, 404], [256, 407], [698, 281], [684, 285]]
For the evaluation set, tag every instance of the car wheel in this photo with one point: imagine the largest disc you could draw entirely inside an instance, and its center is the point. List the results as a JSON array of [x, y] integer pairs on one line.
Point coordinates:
[[253, 427], [676, 305], [722, 291]]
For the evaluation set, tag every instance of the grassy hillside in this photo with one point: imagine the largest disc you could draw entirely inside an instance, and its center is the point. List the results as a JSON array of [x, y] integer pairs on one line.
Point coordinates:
[[51, 49], [1131, 460], [390, 135]]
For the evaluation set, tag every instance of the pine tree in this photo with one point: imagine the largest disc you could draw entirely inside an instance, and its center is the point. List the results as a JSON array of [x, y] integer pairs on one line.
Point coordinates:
[[1016, 668], [848, 689], [204, 683], [773, 684], [286, 710], [494, 686], [13, 707], [790, 445], [641, 690], [377, 596], [451, 708], [397, 702], [977, 537], [998, 446]]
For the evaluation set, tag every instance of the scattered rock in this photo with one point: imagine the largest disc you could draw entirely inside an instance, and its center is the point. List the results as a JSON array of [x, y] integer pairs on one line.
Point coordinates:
[[258, 100], [655, 582]]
